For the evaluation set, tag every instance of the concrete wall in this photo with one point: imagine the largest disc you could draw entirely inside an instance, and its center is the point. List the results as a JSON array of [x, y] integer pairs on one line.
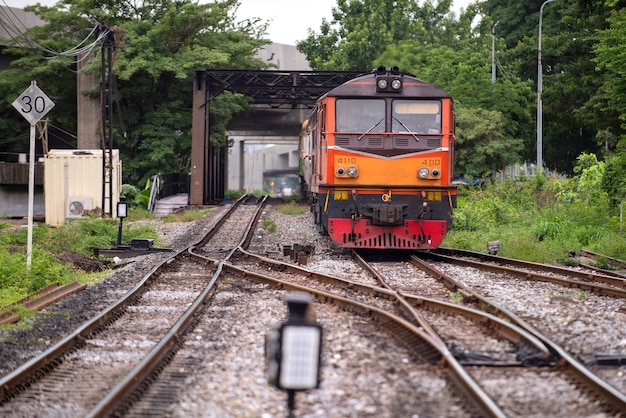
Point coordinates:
[[14, 202], [250, 156], [266, 139], [284, 57]]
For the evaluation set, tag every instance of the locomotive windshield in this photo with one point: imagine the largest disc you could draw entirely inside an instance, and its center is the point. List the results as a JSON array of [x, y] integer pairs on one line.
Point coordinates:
[[360, 115], [416, 116], [368, 115]]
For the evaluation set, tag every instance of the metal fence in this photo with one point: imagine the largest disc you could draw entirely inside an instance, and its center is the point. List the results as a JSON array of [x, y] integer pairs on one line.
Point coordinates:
[[169, 184], [525, 170]]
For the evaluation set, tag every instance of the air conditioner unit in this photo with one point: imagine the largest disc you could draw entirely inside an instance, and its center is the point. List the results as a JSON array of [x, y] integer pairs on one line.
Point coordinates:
[[76, 206]]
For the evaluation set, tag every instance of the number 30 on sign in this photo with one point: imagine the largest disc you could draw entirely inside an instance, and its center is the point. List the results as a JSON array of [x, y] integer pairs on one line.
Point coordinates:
[[33, 104]]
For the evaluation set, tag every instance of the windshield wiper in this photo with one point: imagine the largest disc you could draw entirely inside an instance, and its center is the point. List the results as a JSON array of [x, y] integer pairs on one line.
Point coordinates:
[[407, 129], [370, 129]]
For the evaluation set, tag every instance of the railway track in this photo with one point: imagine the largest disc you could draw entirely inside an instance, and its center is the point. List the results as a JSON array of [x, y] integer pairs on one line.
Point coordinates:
[[132, 337], [453, 343], [39, 300], [559, 280]]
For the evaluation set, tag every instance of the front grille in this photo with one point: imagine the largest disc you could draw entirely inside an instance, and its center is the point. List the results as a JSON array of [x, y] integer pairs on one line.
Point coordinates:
[[388, 145], [402, 142], [375, 142]]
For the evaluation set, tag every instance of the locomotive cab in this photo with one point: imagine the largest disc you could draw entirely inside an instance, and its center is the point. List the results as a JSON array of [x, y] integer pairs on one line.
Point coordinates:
[[377, 159]]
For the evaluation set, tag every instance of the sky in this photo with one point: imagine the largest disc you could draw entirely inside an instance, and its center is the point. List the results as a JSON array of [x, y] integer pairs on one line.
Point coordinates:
[[289, 19]]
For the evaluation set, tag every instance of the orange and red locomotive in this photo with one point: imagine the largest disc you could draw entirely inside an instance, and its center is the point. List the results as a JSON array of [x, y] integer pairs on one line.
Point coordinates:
[[377, 160]]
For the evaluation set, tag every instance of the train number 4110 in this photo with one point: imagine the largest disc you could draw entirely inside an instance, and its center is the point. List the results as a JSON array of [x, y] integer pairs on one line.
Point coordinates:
[[432, 162]]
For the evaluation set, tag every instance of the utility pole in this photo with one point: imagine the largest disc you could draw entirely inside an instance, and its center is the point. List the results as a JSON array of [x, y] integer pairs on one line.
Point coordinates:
[[106, 96], [109, 43], [539, 91], [493, 52]]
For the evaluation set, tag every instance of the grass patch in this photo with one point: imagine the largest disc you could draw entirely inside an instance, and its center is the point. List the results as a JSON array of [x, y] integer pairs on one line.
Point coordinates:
[[291, 208], [534, 221], [137, 213], [77, 236], [186, 215], [269, 225]]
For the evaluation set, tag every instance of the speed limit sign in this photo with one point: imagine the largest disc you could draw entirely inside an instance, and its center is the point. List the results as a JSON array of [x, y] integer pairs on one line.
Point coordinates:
[[33, 104]]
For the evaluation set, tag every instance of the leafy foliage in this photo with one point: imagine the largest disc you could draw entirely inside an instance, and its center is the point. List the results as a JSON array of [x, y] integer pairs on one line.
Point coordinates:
[[78, 236], [361, 30], [516, 214], [159, 46], [614, 179], [610, 58]]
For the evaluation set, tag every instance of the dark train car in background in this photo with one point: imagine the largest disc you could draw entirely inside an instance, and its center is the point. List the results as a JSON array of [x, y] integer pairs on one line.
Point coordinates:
[[282, 183], [377, 161]]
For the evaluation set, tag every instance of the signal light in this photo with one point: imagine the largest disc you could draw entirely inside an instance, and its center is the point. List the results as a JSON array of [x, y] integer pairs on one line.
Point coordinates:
[[389, 84]]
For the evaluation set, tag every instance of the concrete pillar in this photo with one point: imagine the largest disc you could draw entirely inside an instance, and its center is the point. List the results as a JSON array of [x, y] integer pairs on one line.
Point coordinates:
[[89, 111]]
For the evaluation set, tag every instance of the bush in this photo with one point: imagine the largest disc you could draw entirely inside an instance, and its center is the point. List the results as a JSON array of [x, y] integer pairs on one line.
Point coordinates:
[[537, 219], [80, 236], [614, 180], [130, 192]]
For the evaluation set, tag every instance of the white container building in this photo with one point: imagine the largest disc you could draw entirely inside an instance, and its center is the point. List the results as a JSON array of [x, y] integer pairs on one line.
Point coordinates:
[[74, 184]]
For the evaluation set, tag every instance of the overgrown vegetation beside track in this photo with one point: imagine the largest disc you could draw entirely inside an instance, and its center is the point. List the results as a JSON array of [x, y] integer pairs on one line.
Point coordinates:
[[57, 253], [538, 219]]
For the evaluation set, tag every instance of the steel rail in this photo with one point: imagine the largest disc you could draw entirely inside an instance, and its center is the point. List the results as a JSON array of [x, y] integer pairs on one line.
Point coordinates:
[[20, 378], [409, 310], [602, 278], [39, 300], [610, 394], [463, 380], [611, 260], [505, 329], [529, 275], [173, 339]]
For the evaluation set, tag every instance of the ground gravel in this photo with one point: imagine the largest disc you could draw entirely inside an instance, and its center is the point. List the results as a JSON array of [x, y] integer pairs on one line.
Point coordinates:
[[360, 377]]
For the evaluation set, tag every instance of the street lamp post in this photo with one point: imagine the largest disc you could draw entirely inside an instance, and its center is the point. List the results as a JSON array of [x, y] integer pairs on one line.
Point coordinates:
[[539, 90], [493, 52]]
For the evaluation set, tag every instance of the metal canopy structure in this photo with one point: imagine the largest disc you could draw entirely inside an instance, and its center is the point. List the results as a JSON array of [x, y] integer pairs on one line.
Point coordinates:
[[275, 89], [292, 89]]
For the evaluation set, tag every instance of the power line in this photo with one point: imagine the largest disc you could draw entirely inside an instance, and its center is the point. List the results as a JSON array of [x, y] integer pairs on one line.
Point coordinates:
[[16, 29]]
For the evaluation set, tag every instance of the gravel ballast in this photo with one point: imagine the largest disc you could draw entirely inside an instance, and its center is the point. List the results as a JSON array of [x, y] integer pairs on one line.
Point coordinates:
[[359, 374]]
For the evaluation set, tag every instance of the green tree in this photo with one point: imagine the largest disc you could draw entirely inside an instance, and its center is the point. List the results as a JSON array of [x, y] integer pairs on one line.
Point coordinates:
[[164, 43], [590, 173], [361, 30], [571, 103], [610, 100], [482, 147], [614, 179]]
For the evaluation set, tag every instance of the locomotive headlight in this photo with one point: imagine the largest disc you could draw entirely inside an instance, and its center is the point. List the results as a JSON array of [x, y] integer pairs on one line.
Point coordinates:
[[436, 173], [396, 84], [381, 83], [340, 171], [423, 173], [353, 171]]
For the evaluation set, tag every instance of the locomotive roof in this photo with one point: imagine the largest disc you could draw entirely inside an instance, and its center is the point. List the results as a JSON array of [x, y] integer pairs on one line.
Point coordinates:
[[365, 85]]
